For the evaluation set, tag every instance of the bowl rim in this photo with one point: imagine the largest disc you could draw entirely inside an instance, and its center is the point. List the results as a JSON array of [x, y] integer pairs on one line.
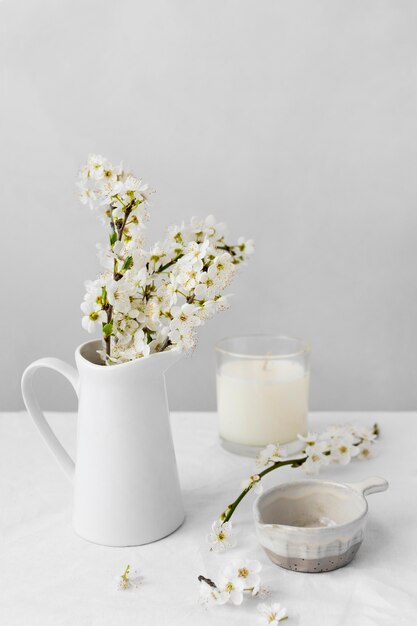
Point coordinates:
[[309, 529]]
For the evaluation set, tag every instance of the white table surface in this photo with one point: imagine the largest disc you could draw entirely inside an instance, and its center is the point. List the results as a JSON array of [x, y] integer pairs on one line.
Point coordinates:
[[50, 577]]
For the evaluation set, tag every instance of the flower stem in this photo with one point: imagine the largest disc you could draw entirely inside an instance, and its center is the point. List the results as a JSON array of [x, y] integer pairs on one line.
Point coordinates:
[[122, 227], [225, 517], [162, 268], [116, 275], [227, 248], [107, 339]]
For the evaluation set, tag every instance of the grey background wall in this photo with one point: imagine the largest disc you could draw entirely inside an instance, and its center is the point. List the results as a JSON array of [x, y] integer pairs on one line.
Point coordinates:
[[295, 122]]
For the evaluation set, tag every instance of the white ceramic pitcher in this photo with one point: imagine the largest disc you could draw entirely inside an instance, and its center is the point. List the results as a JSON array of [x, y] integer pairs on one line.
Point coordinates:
[[126, 488]]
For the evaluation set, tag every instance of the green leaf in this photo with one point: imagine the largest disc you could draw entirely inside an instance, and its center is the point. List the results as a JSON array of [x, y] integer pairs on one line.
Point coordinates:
[[113, 238], [107, 329], [128, 263]]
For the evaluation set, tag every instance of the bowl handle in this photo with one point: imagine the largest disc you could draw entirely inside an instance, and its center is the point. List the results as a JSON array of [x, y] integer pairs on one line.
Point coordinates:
[[369, 485]]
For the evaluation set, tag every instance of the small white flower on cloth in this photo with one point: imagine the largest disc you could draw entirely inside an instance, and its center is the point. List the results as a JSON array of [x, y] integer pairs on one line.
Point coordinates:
[[263, 592], [245, 570], [130, 579], [209, 593], [221, 537], [271, 614], [231, 589]]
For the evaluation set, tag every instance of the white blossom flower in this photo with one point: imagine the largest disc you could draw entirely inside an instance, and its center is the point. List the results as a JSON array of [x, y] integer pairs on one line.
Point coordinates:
[[246, 245], [365, 450], [160, 340], [96, 165], [125, 328], [152, 313], [210, 594], [246, 570], [182, 338], [202, 229], [184, 316], [140, 343], [343, 449], [158, 255], [364, 433], [132, 183], [231, 589], [206, 288], [272, 453], [271, 614], [107, 255], [316, 458], [263, 592], [196, 252], [94, 316], [86, 195], [94, 290], [221, 302], [310, 440], [118, 294], [138, 279], [214, 229], [221, 537], [167, 293], [189, 275], [144, 191], [221, 271], [206, 310]]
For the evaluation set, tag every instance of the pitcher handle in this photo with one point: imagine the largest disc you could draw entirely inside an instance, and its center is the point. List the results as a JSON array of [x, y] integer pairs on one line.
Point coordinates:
[[36, 413]]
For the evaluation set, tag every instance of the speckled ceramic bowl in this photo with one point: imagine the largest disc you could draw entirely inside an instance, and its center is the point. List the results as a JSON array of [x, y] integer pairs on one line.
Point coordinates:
[[313, 525]]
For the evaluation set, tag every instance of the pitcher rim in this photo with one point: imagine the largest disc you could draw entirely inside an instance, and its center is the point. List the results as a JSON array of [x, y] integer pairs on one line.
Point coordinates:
[[118, 365]]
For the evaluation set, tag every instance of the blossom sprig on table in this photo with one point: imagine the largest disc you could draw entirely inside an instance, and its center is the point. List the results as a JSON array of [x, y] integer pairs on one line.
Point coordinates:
[[241, 577], [338, 444], [238, 579], [148, 301]]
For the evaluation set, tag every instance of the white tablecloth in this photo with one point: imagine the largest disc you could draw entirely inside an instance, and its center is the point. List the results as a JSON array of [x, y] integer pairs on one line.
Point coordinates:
[[50, 577]]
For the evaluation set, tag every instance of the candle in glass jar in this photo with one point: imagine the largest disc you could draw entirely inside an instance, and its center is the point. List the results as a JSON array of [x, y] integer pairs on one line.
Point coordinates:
[[262, 401]]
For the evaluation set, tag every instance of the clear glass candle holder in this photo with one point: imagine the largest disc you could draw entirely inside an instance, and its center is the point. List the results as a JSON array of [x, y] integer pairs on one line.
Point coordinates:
[[262, 391]]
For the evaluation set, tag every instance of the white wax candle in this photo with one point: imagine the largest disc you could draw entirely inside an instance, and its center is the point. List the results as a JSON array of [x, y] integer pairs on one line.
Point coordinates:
[[262, 401]]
